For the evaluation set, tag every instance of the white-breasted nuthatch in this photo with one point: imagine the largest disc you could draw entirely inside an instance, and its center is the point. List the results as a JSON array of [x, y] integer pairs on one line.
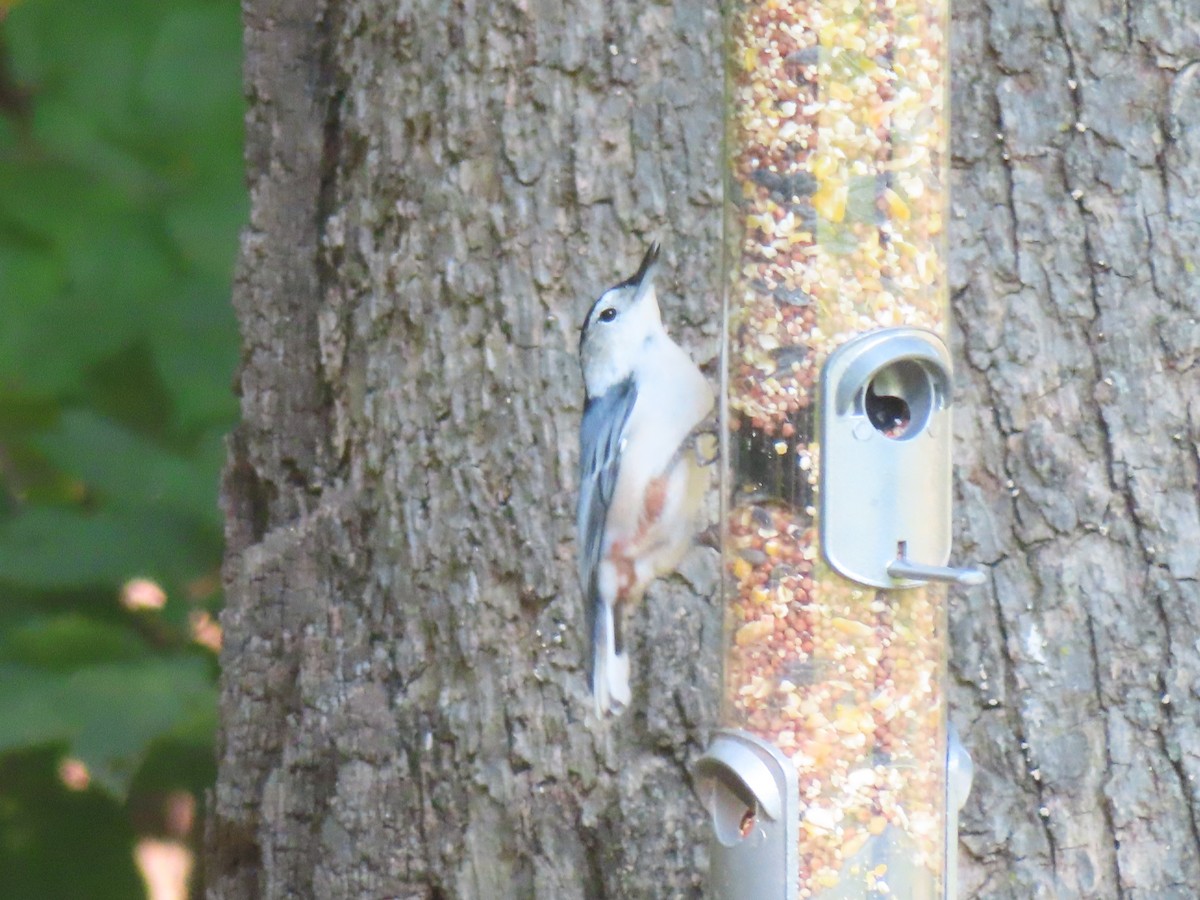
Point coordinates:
[[640, 486]]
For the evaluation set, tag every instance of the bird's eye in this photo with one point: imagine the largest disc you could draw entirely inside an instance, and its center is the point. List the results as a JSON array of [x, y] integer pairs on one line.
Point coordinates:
[[608, 315]]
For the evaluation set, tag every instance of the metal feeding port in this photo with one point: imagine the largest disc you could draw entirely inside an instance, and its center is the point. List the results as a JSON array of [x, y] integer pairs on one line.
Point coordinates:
[[750, 790], [885, 460]]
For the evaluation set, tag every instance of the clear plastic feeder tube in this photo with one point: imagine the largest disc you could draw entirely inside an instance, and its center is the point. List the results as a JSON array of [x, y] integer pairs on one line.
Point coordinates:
[[836, 155]]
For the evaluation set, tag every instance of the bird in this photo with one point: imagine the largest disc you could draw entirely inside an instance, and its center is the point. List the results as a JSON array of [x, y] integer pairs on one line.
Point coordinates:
[[642, 476]]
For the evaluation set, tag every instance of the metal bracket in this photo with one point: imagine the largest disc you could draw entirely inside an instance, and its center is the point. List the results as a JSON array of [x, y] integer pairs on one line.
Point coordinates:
[[752, 795], [903, 568], [960, 772]]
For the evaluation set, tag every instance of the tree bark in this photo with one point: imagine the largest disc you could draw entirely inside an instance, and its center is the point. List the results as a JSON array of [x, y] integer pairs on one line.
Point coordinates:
[[1077, 146], [438, 193]]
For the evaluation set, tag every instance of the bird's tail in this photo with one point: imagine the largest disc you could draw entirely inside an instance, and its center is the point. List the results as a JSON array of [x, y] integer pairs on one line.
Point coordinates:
[[610, 669]]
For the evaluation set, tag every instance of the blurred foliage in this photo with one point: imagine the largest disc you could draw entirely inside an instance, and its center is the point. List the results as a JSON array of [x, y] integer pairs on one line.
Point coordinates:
[[121, 196]]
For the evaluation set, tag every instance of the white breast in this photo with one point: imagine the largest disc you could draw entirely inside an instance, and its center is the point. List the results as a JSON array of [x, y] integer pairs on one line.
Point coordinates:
[[673, 398]]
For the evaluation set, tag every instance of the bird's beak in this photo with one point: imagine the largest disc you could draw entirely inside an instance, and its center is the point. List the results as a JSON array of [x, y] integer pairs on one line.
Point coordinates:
[[644, 279]]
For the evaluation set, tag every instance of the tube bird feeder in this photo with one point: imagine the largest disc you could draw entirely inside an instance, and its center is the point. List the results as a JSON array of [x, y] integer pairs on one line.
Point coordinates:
[[828, 776]]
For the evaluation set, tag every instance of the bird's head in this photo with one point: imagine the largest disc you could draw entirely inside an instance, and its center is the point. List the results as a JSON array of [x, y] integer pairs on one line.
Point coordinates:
[[618, 326]]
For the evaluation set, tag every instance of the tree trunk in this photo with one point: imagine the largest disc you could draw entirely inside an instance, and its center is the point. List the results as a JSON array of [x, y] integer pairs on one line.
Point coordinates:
[[1077, 146], [439, 191]]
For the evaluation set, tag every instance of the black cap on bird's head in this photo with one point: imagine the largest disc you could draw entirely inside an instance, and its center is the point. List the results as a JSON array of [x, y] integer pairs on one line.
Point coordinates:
[[645, 270], [618, 326], [623, 295]]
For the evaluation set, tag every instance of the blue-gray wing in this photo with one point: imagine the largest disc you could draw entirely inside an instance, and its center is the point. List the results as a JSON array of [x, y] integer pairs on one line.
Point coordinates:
[[600, 438]]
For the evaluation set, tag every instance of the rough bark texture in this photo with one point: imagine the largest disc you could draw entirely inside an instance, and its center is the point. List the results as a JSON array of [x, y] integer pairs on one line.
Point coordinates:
[[439, 190], [1077, 217]]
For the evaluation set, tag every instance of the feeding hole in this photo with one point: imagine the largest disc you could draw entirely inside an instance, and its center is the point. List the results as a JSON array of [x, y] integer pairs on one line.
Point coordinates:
[[890, 415], [734, 811], [746, 826], [899, 399]]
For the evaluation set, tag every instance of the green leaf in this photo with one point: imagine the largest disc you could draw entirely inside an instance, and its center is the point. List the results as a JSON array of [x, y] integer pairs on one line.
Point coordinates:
[[89, 51], [122, 709], [205, 226], [129, 470], [121, 198], [57, 843], [56, 549], [68, 641], [79, 304], [30, 278], [182, 759], [122, 158], [188, 77], [26, 412], [127, 387], [839, 240], [53, 202], [121, 263], [107, 714], [195, 345]]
